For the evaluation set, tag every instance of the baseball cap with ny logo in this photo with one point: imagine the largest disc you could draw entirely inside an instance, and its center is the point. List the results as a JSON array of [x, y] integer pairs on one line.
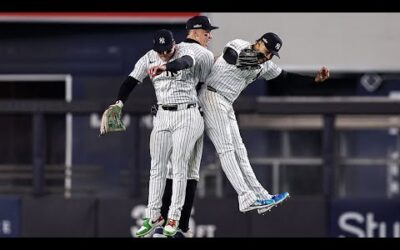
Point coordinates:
[[163, 40], [272, 42]]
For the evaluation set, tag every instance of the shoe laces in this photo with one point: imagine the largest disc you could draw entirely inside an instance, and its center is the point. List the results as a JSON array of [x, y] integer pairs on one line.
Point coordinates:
[[263, 202], [279, 196], [171, 223]]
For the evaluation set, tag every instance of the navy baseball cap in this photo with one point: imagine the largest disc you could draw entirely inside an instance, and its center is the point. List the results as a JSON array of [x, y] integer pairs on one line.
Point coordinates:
[[163, 40], [272, 42], [199, 22]]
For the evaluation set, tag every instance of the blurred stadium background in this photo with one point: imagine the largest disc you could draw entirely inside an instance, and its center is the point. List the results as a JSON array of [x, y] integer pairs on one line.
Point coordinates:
[[334, 147]]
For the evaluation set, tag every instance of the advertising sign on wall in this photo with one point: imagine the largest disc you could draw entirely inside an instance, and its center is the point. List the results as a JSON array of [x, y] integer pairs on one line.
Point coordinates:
[[10, 217], [365, 218]]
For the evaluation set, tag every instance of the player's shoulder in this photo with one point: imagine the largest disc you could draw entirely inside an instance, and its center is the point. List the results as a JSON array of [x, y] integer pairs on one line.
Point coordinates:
[[193, 46], [237, 44], [238, 41], [182, 48], [151, 54], [204, 52], [199, 51]]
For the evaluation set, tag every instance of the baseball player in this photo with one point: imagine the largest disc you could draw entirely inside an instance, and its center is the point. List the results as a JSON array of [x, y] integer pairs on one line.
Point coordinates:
[[199, 35], [177, 125], [240, 64]]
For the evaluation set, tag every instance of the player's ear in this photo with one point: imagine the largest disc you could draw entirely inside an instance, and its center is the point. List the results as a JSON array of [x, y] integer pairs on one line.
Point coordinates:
[[197, 33], [256, 45]]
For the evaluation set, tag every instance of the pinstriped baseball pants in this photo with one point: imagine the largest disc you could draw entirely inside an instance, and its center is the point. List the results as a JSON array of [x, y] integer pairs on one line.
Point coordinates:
[[194, 161], [222, 128], [174, 135]]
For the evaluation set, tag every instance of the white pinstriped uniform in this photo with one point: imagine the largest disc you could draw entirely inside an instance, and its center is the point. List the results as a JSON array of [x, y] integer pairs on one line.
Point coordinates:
[[221, 124], [204, 62], [174, 133]]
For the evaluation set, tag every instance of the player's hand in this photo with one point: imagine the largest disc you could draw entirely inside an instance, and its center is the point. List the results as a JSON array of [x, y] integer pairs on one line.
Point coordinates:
[[111, 119], [322, 74], [156, 70]]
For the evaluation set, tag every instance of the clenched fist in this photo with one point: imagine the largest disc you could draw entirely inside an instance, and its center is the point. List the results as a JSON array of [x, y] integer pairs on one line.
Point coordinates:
[[322, 74]]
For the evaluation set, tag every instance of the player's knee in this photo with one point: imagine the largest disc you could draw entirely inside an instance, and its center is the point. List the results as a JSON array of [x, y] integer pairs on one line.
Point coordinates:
[[240, 146], [225, 151], [157, 173], [179, 175]]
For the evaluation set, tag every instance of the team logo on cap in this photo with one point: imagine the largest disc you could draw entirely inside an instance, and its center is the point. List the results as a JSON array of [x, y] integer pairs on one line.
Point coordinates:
[[265, 40], [197, 26], [161, 40], [277, 46]]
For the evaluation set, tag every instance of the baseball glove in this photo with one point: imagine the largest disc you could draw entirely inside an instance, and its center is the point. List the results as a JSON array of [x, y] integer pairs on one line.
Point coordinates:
[[248, 59], [111, 120]]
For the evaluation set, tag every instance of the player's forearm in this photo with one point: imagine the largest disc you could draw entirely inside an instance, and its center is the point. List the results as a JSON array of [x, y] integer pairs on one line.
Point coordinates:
[[292, 78], [180, 64], [126, 88]]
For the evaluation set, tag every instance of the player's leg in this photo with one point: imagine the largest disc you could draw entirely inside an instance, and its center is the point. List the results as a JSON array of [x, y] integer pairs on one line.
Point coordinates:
[[160, 150], [243, 160], [166, 202], [193, 179], [248, 173], [166, 199], [218, 130], [190, 127], [191, 185]]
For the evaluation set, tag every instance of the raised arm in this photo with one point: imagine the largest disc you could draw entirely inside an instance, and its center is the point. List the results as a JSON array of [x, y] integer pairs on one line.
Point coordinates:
[[181, 63]]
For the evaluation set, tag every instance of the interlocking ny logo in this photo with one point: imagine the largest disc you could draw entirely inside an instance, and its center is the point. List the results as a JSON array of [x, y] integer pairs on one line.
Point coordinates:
[[161, 40], [277, 46], [371, 82]]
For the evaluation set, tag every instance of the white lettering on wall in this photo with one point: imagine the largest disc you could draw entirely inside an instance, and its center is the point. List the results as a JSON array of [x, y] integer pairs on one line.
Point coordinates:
[[360, 225]]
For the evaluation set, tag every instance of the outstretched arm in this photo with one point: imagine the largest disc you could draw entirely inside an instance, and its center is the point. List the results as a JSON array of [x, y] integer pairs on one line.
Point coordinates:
[[285, 76]]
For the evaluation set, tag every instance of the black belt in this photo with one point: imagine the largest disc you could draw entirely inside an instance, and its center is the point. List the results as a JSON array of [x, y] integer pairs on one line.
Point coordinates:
[[211, 89], [175, 107]]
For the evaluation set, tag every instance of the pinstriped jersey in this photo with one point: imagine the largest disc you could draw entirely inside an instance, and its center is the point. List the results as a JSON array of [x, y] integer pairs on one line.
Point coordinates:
[[204, 59], [229, 80], [170, 88]]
